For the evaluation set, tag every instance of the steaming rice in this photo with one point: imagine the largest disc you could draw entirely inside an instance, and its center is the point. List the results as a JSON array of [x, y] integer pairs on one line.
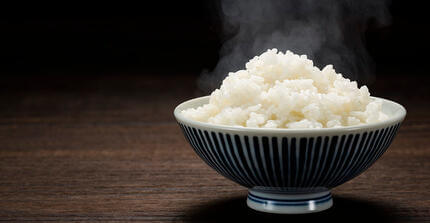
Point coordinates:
[[280, 90]]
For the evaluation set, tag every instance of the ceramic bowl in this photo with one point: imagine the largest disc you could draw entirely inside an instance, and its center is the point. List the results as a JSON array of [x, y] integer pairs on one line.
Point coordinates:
[[290, 171]]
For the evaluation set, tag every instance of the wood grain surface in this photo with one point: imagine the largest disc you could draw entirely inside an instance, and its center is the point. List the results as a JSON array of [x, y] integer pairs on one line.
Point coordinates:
[[107, 148]]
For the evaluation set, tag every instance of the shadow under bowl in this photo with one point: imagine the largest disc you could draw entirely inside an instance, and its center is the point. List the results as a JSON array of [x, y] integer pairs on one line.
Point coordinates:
[[290, 171]]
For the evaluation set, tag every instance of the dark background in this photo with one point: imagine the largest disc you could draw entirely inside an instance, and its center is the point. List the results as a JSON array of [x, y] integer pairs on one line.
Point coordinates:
[[168, 37], [87, 131]]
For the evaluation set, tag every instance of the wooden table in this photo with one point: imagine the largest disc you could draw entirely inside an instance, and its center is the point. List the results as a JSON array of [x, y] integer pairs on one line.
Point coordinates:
[[107, 148]]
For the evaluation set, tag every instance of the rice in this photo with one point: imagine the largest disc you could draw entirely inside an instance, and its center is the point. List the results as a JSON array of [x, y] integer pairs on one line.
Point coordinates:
[[285, 90]]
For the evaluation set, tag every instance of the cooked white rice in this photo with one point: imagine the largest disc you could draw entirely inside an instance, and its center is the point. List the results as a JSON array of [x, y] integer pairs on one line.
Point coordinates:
[[280, 90]]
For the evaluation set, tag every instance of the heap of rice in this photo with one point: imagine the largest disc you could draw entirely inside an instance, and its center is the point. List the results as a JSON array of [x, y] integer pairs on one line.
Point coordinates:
[[280, 90]]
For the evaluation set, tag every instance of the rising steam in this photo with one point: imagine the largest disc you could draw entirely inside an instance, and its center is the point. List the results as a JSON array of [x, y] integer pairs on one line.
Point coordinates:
[[327, 31]]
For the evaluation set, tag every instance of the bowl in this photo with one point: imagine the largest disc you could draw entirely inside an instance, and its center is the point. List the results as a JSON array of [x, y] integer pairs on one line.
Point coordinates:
[[290, 171]]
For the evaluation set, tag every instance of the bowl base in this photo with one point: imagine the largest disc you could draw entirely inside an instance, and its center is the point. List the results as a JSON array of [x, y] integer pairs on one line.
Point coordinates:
[[281, 203]]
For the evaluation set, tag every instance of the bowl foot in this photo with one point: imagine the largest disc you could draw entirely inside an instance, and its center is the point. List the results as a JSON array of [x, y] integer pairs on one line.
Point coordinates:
[[281, 203]]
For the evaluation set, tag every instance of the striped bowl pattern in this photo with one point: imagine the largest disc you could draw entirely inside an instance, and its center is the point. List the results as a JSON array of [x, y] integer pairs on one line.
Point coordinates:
[[289, 162], [283, 162]]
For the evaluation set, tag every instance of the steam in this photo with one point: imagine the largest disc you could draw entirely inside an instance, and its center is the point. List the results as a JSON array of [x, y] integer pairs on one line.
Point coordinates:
[[327, 31]]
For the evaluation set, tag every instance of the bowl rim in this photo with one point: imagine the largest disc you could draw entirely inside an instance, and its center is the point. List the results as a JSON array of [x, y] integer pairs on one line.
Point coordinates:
[[397, 118]]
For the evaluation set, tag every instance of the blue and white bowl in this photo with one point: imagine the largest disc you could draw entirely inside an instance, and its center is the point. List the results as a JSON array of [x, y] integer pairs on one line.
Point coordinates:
[[290, 171]]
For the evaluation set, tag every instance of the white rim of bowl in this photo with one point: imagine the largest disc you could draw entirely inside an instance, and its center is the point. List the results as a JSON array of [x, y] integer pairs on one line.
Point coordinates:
[[397, 118]]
